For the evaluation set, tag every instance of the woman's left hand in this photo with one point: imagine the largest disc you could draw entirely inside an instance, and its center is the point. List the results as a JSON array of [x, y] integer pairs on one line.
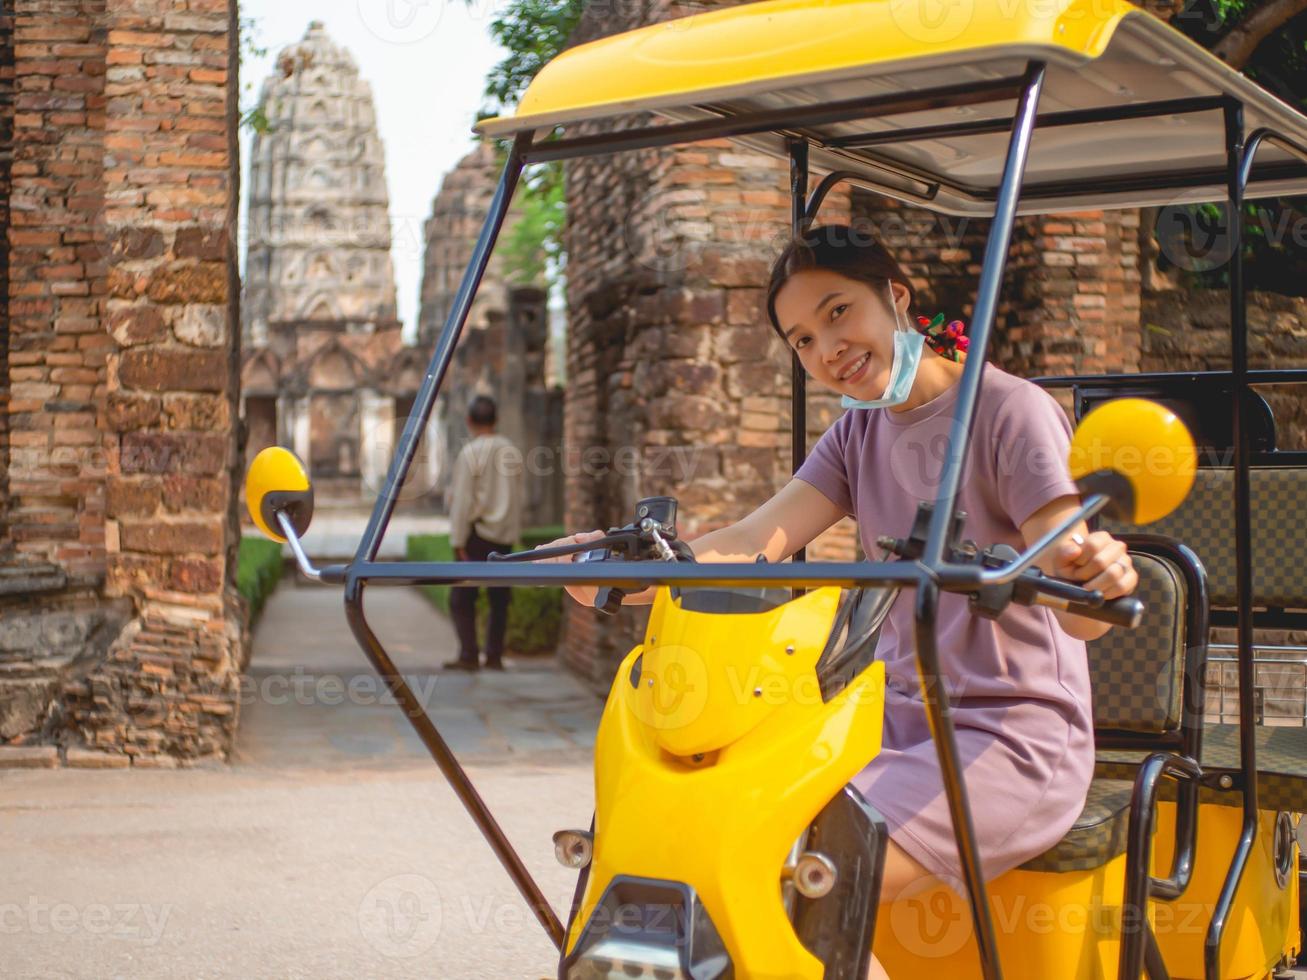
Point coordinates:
[[1097, 561]]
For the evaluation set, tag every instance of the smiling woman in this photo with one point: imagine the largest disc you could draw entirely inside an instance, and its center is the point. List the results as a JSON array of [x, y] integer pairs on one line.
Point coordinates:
[[841, 301]]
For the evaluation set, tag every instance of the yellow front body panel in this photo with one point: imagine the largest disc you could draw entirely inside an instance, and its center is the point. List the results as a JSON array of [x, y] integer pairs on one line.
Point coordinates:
[[725, 823], [778, 43], [715, 752]]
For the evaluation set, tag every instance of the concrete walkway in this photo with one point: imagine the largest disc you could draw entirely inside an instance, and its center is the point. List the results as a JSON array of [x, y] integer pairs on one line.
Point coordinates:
[[332, 846], [313, 701]]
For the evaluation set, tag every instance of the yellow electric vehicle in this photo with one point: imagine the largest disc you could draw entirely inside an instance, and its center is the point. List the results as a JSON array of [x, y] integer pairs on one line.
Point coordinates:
[[725, 841]]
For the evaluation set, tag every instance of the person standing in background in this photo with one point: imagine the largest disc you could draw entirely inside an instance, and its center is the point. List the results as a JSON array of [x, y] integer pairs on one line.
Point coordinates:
[[485, 515]]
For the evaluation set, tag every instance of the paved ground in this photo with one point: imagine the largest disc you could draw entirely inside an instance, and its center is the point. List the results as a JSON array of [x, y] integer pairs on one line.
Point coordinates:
[[332, 847]]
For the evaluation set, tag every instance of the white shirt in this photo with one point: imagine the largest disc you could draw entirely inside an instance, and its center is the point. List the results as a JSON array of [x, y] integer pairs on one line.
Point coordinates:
[[485, 493]]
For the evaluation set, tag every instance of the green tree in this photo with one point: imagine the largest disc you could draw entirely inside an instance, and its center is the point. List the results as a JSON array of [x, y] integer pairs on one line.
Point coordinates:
[[533, 32], [253, 115]]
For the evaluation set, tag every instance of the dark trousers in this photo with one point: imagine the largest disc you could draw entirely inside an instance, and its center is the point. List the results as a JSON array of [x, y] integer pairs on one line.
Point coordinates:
[[463, 607]]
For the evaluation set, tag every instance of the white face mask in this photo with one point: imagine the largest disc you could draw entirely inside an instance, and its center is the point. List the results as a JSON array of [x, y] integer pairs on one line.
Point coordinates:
[[908, 345]]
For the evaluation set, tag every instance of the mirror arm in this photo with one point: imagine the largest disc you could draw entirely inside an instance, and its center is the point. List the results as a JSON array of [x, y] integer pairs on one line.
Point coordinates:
[[301, 559], [1002, 576]]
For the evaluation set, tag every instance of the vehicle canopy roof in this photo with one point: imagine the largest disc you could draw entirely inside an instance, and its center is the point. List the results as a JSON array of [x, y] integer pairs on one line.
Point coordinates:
[[1102, 139]]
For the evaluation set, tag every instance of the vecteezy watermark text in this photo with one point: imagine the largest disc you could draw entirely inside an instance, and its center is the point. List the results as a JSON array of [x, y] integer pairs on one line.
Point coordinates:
[[123, 920]]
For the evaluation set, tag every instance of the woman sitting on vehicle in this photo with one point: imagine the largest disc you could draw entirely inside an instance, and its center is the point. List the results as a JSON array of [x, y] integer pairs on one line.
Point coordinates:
[[1019, 684]]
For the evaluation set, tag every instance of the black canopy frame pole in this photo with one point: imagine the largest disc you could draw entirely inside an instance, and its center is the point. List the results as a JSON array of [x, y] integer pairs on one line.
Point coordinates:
[[934, 692], [1240, 158], [355, 583], [444, 352], [798, 379], [1234, 151]]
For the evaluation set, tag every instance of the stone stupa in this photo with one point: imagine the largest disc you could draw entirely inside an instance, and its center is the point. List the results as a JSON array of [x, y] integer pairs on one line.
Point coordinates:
[[323, 369]]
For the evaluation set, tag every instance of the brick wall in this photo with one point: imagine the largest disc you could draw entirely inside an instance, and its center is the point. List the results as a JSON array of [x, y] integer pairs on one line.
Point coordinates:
[[122, 367], [1070, 301], [1189, 330], [6, 168]]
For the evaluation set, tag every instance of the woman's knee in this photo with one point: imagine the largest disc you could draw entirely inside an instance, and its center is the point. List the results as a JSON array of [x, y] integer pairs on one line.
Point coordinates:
[[904, 875]]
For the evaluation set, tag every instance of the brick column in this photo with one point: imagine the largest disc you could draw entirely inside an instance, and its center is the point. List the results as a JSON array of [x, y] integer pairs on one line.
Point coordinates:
[[6, 171], [122, 365], [676, 383]]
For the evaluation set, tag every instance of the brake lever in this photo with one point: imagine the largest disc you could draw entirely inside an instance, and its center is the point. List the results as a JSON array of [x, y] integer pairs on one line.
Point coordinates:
[[617, 540], [1032, 587]]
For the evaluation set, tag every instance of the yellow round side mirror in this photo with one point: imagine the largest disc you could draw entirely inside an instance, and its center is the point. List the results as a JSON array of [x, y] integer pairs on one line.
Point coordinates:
[[277, 481], [1138, 453]]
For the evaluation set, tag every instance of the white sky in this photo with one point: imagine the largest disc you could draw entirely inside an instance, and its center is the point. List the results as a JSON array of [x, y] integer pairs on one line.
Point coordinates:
[[427, 62]]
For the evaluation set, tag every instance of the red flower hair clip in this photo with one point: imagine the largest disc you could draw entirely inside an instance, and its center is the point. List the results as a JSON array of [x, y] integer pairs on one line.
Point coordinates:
[[947, 340]]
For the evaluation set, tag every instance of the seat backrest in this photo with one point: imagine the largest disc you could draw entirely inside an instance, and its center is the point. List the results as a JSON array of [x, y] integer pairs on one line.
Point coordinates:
[[1205, 522], [1138, 674]]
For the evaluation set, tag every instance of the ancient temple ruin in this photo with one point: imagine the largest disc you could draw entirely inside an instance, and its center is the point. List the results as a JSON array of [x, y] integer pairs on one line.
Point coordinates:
[[323, 371], [505, 345]]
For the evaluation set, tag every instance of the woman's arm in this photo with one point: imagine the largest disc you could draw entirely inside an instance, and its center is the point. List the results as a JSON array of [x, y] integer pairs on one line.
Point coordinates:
[[777, 529], [1096, 561]]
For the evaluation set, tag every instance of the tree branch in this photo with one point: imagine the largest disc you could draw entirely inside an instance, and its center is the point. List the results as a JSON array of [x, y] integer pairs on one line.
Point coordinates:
[[1238, 46]]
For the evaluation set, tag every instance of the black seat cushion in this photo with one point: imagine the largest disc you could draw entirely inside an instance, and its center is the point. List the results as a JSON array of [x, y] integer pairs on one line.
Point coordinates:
[[1097, 836]]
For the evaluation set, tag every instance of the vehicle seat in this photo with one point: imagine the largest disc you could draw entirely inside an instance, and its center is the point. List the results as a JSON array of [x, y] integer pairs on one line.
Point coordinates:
[[1097, 836], [1138, 680]]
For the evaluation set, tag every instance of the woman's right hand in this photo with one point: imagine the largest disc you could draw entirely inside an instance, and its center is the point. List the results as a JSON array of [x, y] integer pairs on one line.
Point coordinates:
[[584, 594]]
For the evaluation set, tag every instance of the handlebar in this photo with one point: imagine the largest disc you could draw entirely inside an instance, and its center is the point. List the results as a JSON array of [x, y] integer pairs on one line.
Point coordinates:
[[998, 577], [1126, 611]]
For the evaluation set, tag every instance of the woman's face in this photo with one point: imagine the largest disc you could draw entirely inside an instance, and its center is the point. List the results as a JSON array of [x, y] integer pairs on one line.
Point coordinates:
[[842, 329]]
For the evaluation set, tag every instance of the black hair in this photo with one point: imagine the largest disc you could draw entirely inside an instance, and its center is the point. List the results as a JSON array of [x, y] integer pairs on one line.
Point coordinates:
[[482, 411], [853, 252]]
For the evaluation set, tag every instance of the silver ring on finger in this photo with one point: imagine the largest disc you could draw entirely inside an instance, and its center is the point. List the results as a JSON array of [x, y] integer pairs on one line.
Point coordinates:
[[1124, 562]]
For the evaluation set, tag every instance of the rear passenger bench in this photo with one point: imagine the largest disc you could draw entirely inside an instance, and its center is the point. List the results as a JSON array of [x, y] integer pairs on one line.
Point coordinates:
[[1205, 522], [1165, 686]]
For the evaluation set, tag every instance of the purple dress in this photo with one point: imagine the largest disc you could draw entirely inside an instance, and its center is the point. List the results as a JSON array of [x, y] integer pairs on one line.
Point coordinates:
[[1020, 685]]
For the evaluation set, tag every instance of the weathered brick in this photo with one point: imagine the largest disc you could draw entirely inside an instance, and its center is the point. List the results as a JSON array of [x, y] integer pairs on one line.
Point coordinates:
[[172, 537], [137, 325], [176, 369], [135, 572], [132, 497], [196, 575], [202, 325], [167, 452], [138, 243], [203, 413], [207, 244], [92, 759], [29, 757], [182, 493], [126, 411], [204, 283]]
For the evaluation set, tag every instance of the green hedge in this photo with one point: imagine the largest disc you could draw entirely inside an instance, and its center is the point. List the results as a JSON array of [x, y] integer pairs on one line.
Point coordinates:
[[258, 570], [534, 615]]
